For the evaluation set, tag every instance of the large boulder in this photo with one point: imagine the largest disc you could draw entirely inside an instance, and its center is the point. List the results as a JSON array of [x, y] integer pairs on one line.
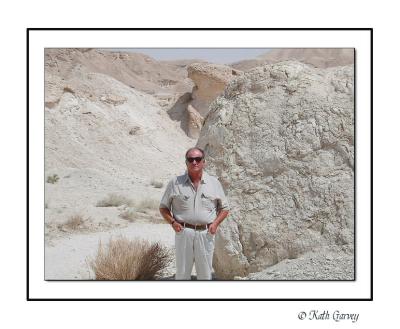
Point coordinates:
[[209, 81], [281, 140]]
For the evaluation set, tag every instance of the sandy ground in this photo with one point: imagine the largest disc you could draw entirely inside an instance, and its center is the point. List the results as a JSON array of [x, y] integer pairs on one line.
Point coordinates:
[[77, 193], [67, 257]]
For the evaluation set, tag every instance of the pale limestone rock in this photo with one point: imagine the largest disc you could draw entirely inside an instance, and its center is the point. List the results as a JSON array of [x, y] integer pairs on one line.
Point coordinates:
[[178, 112], [195, 122], [93, 120], [281, 140], [210, 81]]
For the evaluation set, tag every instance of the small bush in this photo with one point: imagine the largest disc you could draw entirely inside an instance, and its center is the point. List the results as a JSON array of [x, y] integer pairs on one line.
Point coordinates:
[[128, 214], [143, 212], [53, 179], [114, 200], [134, 130], [74, 223], [130, 260], [157, 184], [147, 204]]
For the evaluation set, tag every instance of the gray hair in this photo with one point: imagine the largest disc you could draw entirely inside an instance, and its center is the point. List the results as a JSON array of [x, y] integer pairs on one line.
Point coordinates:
[[195, 148]]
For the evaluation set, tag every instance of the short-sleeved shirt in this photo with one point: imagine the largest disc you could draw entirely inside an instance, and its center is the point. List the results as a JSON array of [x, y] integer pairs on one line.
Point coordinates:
[[191, 206]]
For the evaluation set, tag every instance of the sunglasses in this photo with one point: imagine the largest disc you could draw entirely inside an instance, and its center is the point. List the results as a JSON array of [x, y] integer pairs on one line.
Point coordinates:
[[198, 159]]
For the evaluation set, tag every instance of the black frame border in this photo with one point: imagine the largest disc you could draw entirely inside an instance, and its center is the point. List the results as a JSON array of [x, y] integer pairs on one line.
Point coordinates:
[[28, 298]]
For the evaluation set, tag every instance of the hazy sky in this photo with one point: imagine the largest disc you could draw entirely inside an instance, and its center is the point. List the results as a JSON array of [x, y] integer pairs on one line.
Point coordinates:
[[214, 55]]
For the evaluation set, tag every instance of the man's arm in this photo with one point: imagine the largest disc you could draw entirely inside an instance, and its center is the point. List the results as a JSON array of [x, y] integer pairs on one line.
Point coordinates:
[[214, 225], [166, 214]]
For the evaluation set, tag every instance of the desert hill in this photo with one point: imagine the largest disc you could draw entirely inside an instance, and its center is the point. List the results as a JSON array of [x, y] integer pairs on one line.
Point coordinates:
[[317, 57]]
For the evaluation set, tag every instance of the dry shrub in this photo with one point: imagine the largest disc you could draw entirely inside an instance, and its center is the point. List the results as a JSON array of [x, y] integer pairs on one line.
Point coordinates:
[[130, 260], [132, 215], [114, 200], [52, 179], [147, 204], [134, 130], [156, 183], [74, 223], [128, 214]]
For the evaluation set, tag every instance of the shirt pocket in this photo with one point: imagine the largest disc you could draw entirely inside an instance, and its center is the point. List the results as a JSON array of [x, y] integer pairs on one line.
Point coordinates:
[[209, 201], [182, 202]]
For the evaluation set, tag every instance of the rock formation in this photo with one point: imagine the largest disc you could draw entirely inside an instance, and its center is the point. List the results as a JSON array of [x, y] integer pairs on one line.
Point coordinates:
[[281, 140], [195, 122], [210, 81]]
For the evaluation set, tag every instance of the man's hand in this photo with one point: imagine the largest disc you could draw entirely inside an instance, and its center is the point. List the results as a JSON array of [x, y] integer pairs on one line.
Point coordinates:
[[166, 214], [177, 227], [212, 229]]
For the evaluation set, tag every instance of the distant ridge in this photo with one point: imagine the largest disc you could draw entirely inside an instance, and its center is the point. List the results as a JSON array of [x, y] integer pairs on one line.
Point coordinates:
[[317, 57]]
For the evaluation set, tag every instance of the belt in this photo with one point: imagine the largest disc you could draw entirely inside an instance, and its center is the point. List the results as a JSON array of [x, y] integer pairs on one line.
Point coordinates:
[[197, 227]]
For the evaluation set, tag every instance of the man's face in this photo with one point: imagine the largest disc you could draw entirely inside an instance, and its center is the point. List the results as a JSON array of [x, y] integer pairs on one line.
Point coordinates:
[[193, 162]]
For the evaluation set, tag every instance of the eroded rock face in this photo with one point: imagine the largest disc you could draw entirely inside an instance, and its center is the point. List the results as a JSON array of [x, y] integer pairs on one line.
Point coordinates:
[[95, 121], [210, 81], [165, 81], [281, 140], [195, 122]]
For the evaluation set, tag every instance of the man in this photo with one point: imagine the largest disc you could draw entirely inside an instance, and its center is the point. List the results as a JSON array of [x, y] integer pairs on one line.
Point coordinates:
[[194, 204]]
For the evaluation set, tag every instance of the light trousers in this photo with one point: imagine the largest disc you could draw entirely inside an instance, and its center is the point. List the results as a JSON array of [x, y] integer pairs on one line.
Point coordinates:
[[196, 247]]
